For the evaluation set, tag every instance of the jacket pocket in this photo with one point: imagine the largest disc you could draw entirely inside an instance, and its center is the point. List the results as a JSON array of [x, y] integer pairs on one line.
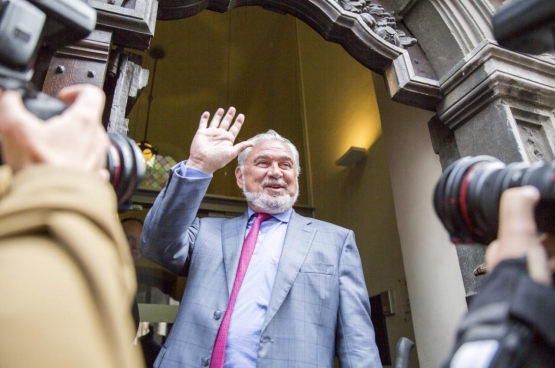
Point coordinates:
[[318, 268]]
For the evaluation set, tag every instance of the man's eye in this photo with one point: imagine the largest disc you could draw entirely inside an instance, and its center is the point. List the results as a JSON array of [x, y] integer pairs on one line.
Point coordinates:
[[262, 163]]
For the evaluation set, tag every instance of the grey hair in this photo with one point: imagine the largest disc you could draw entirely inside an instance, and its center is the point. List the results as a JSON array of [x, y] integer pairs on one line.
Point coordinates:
[[269, 135]]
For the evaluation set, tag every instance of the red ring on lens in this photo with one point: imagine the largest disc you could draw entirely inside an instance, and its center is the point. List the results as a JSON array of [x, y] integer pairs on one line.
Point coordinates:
[[462, 198], [117, 168]]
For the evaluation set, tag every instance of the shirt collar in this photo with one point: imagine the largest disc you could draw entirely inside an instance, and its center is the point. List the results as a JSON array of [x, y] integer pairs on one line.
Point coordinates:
[[283, 216]]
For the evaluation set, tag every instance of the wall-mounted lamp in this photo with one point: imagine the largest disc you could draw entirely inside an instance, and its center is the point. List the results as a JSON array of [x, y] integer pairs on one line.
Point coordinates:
[[353, 156]]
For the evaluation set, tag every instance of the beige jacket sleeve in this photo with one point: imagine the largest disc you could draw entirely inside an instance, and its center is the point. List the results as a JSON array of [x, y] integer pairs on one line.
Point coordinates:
[[66, 275]]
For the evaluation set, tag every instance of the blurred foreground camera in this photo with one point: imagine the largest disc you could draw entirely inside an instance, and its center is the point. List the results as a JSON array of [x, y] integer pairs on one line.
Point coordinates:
[[28, 27], [126, 165], [525, 26], [466, 197]]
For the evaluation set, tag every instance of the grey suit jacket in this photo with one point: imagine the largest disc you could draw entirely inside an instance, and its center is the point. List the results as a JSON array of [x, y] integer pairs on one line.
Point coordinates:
[[319, 306]]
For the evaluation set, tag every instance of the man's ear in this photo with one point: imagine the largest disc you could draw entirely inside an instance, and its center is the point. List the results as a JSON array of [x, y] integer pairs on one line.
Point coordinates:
[[239, 177]]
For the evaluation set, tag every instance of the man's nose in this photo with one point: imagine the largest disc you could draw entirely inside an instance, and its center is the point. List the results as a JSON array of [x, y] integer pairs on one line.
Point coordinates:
[[274, 170]]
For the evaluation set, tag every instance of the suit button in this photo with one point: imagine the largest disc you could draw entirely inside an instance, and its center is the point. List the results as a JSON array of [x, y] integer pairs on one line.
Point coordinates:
[[205, 361], [217, 315]]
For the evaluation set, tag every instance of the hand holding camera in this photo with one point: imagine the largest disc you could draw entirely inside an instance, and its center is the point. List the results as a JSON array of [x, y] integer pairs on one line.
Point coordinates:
[[27, 28], [518, 235], [510, 321], [510, 207], [75, 139]]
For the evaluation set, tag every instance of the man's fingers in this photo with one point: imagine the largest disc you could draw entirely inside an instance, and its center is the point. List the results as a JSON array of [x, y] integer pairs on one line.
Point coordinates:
[[219, 120], [236, 127], [228, 118], [204, 120], [240, 147], [217, 117]]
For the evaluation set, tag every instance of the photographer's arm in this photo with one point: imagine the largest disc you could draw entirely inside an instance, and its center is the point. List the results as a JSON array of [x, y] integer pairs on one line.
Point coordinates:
[[509, 322], [66, 275]]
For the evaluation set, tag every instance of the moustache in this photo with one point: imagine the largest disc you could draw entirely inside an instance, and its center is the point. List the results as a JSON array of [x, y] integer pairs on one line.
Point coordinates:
[[279, 182]]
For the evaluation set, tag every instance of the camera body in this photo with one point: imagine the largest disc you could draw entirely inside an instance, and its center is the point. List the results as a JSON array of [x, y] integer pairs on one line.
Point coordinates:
[[526, 26], [467, 196], [28, 27]]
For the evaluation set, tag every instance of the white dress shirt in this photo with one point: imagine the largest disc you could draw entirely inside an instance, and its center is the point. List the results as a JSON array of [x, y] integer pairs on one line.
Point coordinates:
[[254, 296]]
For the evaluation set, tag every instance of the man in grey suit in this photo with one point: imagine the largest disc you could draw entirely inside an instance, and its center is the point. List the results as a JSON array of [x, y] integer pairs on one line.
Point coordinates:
[[303, 300]]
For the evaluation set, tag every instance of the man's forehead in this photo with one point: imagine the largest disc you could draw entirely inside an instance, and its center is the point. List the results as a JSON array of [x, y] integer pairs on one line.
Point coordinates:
[[271, 148]]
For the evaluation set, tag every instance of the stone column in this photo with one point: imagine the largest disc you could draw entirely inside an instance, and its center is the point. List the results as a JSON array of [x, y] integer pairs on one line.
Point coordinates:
[[94, 61], [499, 103]]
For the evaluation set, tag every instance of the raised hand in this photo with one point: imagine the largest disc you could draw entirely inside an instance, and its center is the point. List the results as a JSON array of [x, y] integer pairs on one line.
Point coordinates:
[[213, 145]]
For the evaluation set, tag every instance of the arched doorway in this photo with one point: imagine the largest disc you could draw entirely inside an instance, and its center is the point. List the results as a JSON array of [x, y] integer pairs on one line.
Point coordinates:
[[284, 76]]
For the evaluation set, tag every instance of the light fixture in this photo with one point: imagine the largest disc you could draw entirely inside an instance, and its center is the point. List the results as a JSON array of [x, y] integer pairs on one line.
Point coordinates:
[[157, 166], [353, 156], [149, 151]]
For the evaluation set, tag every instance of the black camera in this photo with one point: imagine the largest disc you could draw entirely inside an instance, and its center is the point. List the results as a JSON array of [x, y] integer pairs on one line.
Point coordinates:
[[526, 26], [28, 27], [466, 197]]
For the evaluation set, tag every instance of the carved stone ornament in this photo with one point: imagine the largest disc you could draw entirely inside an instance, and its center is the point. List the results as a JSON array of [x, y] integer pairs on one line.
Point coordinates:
[[363, 35], [379, 20], [132, 22]]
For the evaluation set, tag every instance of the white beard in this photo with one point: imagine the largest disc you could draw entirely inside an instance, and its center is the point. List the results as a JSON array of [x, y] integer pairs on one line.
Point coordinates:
[[270, 204]]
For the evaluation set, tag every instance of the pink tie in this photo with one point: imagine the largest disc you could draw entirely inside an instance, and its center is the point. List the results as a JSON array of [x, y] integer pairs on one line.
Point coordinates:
[[218, 355]]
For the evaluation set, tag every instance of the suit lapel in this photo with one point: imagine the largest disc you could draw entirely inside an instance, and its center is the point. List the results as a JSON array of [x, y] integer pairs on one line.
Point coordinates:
[[298, 241], [233, 235]]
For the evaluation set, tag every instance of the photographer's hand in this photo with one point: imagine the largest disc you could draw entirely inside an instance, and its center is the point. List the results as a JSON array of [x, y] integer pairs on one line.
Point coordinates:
[[75, 139], [517, 236]]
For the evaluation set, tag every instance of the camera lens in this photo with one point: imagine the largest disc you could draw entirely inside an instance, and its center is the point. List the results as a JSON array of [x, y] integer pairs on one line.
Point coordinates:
[[466, 197], [126, 166]]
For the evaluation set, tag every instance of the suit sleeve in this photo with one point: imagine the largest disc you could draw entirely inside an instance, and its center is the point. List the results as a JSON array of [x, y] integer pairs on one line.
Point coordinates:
[[355, 340], [171, 225]]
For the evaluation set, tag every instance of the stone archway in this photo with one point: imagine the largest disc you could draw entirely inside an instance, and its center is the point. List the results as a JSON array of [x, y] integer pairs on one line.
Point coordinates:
[[367, 30]]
